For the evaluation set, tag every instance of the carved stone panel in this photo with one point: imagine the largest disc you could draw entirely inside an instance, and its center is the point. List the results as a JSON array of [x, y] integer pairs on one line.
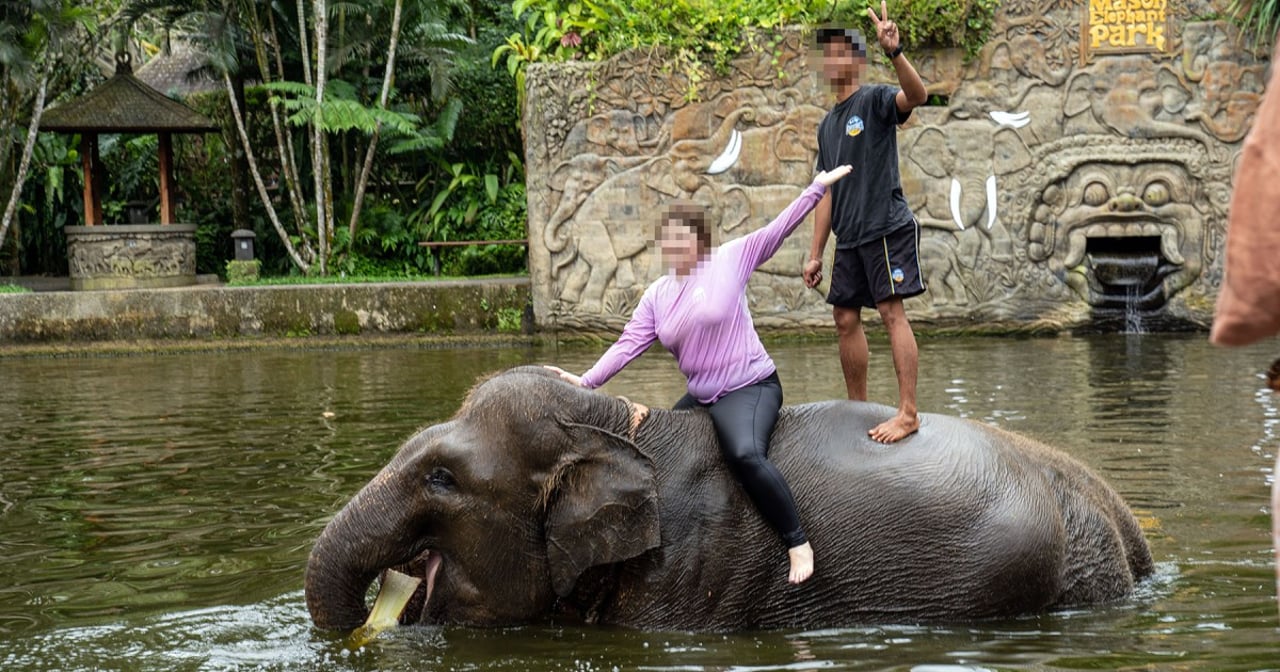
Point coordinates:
[[1054, 187], [131, 256]]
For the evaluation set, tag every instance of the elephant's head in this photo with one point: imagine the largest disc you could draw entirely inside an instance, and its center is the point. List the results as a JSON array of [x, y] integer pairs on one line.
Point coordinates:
[[501, 508]]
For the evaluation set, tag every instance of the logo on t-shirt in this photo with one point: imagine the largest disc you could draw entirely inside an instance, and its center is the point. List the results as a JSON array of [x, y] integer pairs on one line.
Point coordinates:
[[853, 126]]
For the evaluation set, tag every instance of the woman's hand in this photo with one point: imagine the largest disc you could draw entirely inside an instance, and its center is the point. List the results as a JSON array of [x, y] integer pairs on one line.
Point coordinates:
[[567, 377], [829, 177]]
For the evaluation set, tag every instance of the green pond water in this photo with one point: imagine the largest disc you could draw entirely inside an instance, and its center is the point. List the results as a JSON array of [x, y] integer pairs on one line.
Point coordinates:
[[156, 511]]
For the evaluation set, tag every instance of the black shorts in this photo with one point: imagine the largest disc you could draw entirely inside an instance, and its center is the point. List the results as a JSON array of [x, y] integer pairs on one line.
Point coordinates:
[[875, 272]]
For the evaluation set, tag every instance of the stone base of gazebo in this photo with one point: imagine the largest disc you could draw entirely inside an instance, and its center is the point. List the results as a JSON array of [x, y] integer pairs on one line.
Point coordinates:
[[134, 256]]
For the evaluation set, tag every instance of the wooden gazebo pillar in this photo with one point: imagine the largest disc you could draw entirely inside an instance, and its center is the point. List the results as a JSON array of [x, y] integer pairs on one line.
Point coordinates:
[[92, 166], [167, 204]]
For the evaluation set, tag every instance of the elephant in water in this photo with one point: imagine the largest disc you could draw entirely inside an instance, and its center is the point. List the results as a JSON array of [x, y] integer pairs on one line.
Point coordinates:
[[540, 499]]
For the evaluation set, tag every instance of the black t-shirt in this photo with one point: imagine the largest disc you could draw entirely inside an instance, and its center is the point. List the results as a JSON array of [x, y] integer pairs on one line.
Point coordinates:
[[861, 130]]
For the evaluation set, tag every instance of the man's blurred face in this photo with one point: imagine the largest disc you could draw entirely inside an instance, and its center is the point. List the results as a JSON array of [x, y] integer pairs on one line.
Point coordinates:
[[840, 63]]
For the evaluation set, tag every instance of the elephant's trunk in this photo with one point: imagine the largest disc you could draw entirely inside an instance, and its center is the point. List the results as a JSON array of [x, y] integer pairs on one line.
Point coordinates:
[[355, 546]]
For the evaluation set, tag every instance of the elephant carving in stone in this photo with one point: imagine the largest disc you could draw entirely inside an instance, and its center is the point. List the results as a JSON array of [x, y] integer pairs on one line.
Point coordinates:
[[607, 230], [1230, 95], [1125, 96], [943, 273], [574, 180], [611, 225], [539, 499], [690, 159], [700, 120], [782, 152], [966, 160], [1028, 56], [614, 133], [1205, 42], [752, 207]]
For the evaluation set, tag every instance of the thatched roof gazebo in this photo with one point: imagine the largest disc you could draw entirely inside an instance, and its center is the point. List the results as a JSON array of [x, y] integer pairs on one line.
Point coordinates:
[[108, 257], [178, 70]]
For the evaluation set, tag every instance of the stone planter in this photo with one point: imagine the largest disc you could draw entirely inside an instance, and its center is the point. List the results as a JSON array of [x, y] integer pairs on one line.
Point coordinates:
[[134, 256]]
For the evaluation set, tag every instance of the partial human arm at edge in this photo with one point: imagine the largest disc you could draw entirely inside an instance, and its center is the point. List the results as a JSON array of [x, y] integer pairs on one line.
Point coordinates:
[[912, 93], [637, 336], [763, 244], [812, 271]]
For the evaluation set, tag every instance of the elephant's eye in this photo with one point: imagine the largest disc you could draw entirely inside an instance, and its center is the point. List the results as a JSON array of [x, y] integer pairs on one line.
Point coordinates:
[[441, 479]]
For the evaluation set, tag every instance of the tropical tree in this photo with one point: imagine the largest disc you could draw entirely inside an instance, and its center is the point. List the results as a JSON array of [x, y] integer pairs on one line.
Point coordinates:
[[313, 61], [32, 38]]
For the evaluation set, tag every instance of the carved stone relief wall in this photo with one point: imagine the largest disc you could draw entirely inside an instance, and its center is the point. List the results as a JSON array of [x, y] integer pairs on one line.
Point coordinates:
[[131, 256], [1071, 177]]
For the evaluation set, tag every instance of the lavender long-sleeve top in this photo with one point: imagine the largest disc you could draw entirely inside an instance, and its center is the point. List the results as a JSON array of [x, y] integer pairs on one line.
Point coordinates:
[[702, 319]]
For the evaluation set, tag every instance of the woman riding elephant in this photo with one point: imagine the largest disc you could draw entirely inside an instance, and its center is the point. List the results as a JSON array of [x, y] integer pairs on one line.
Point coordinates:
[[698, 311], [539, 498]]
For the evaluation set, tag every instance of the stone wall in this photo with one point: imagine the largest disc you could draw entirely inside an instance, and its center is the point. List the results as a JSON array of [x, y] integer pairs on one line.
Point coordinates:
[[1079, 172], [443, 308]]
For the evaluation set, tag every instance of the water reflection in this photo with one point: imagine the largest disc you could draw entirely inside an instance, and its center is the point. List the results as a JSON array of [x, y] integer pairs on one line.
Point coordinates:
[[156, 511]]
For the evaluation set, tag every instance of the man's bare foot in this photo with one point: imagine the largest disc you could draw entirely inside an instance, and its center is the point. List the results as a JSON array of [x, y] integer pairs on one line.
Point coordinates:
[[896, 428], [801, 563]]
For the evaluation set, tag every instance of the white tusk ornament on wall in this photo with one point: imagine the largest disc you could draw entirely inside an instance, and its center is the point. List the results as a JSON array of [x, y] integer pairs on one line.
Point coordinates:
[[730, 155], [1011, 119]]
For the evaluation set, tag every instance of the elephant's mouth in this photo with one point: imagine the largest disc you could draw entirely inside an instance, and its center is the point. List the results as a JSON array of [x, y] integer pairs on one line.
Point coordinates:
[[425, 566]]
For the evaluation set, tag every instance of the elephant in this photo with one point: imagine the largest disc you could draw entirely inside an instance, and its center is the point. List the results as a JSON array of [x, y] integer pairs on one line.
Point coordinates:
[[1127, 96], [539, 499], [615, 133], [779, 153], [965, 157], [1230, 97]]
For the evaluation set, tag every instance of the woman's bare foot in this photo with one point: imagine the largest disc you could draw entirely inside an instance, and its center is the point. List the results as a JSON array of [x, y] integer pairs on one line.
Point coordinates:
[[896, 428], [801, 563]]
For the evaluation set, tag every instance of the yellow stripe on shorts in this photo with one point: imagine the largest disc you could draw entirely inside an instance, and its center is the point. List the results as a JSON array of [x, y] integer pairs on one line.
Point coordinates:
[[887, 266]]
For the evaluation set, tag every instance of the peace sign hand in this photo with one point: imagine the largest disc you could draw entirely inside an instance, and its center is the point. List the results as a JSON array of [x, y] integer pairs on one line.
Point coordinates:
[[886, 30]]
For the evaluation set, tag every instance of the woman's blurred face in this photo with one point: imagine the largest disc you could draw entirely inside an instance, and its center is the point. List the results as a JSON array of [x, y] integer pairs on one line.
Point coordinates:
[[679, 246]]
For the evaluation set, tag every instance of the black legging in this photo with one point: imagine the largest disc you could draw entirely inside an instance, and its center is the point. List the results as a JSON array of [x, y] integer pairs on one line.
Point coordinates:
[[744, 420]]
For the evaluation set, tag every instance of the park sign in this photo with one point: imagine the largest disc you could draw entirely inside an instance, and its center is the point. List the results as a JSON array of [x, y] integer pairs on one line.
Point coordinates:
[[1124, 27]]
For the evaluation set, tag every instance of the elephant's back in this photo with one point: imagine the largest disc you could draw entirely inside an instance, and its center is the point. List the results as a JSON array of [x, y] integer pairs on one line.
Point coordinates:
[[836, 434], [1041, 516], [947, 456]]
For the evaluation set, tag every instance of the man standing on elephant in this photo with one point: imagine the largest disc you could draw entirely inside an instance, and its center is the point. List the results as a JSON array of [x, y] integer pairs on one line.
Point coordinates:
[[877, 236]]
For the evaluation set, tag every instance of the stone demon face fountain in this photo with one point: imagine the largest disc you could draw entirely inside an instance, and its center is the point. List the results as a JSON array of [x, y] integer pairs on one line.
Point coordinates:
[[1121, 221]]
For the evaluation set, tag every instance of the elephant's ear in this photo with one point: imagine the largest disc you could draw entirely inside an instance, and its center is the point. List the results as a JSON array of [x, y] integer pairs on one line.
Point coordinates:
[[931, 153], [1010, 152], [790, 146], [1079, 98], [736, 208], [602, 508]]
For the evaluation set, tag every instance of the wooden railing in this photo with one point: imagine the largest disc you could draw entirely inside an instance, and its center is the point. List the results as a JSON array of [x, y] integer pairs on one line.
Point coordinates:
[[435, 245]]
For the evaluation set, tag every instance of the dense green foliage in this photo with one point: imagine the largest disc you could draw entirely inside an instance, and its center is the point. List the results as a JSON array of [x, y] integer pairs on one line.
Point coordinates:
[[1260, 17], [703, 36]]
